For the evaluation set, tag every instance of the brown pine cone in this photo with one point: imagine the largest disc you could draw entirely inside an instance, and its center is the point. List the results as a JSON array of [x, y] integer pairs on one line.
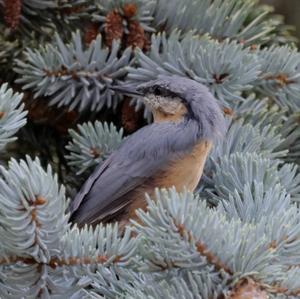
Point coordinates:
[[136, 35], [129, 10], [90, 33], [113, 27], [131, 119], [57, 118], [12, 13]]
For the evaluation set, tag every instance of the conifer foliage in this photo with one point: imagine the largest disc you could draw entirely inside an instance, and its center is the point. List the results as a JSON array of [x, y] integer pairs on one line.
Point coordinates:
[[236, 237]]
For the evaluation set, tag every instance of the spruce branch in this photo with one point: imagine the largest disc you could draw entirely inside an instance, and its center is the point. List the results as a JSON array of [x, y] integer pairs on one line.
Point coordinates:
[[252, 108], [100, 245], [280, 79], [238, 169], [32, 210], [245, 137], [181, 285], [75, 266], [73, 76], [195, 252], [12, 116], [290, 179], [175, 221], [92, 144], [227, 68], [222, 19], [32, 5], [271, 210], [253, 204], [12, 46], [260, 113], [290, 287], [281, 34], [290, 132], [276, 252], [128, 11], [40, 254], [31, 224], [115, 282], [257, 132], [7, 47]]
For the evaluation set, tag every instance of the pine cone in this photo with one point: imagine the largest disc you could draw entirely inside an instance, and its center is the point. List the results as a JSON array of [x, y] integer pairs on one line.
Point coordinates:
[[130, 118], [248, 289], [129, 10], [113, 27], [136, 35], [66, 121], [39, 112], [91, 32], [12, 13]]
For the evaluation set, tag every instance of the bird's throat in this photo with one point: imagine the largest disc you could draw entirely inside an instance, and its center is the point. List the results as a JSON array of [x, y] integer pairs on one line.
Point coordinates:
[[161, 116]]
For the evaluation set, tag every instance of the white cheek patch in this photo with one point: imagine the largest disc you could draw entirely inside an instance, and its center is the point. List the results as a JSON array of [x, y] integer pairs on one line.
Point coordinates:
[[151, 101], [168, 106]]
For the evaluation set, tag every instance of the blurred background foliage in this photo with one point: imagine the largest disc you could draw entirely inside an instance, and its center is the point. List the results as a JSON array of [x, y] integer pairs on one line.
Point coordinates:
[[290, 9]]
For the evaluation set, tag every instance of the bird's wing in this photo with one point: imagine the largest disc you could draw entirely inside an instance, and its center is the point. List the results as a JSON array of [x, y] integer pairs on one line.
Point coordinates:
[[80, 196], [140, 156]]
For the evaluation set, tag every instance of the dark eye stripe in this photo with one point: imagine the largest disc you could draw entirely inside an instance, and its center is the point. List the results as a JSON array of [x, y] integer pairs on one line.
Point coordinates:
[[157, 91], [161, 91]]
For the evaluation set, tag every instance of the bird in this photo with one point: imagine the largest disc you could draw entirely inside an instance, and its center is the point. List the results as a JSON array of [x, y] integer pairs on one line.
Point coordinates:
[[169, 152]]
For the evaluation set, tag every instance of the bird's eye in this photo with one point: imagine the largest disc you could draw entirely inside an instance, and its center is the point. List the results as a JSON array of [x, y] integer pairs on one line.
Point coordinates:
[[158, 91]]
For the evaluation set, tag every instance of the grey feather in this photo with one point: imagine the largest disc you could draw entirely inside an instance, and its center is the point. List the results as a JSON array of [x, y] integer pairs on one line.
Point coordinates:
[[148, 151]]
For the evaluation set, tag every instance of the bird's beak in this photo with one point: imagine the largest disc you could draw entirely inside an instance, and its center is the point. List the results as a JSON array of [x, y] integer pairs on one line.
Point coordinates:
[[127, 90]]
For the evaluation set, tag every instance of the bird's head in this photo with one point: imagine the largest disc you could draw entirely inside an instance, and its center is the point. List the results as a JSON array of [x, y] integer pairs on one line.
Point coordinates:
[[175, 97], [164, 104]]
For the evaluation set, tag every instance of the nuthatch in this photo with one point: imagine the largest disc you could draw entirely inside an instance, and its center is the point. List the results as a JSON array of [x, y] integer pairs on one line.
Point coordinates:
[[169, 152]]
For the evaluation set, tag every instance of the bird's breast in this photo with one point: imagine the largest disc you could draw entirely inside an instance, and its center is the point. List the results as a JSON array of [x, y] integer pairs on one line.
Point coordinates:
[[186, 171], [183, 172]]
